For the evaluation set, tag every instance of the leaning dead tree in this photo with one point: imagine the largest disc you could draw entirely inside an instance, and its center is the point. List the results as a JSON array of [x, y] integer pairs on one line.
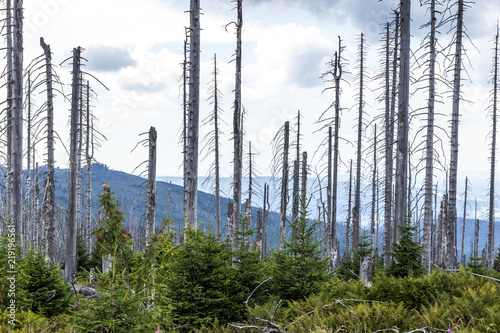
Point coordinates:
[[400, 207], [493, 108], [151, 185], [191, 160]]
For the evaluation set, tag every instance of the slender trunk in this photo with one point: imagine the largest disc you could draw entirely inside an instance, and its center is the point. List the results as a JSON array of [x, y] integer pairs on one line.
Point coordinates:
[[216, 143], [10, 88], [403, 124], [303, 198], [284, 186], [17, 119], [191, 169], [89, 154], [374, 193], [337, 73], [151, 187], [348, 221], [462, 254], [491, 227], [70, 263], [258, 238], [48, 215], [296, 181], [389, 191], [476, 232], [388, 154], [264, 220], [451, 245], [237, 131], [429, 149], [356, 216], [329, 226]]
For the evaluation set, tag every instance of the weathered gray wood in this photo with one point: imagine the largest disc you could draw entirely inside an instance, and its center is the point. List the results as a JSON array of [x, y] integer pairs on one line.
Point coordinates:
[[216, 151], [389, 213], [70, 263], [151, 186], [491, 213], [366, 271], [191, 169], [264, 219], [284, 186], [89, 155], [429, 147], [400, 208], [8, 115], [296, 180], [349, 215], [462, 254], [451, 245], [237, 129], [374, 193]]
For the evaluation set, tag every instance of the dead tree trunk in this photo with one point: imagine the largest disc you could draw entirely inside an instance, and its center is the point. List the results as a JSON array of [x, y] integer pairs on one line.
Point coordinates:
[[284, 186], [451, 257], [348, 221], [403, 125], [48, 205], [216, 151], [429, 148], [491, 226], [10, 88], [356, 216], [151, 187], [462, 254], [374, 193], [329, 225], [303, 198], [70, 263], [89, 155], [17, 119], [264, 220], [191, 169], [237, 130], [296, 180]]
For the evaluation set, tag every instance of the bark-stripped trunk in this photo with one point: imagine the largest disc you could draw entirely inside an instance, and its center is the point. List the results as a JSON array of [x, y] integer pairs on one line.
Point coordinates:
[[491, 226], [462, 254], [258, 238], [89, 154], [303, 198], [10, 82], [348, 221], [403, 124], [388, 153], [374, 193], [16, 203], [70, 263], [476, 232], [442, 236], [356, 216], [237, 132], [191, 168], [264, 220], [216, 143], [429, 148], [48, 215], [329, 227], [248, 212], [151, 187], [284, 185], [27, 223], [451, 245], [296, 181], [337, 75], [394, 93]]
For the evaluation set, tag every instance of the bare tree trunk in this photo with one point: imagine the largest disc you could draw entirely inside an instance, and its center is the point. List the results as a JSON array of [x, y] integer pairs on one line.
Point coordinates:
[[284, 186], [17, 119], [329, 226], [237, 130], [217, 164], [303, 198], [248, 213], [264, 220], [476, 233], [491, 226], [429, 148], [191, 169], [389, 181], [337, 74], [10, 88], [296, 181], [70, 263], [348, 221], [89, 155], [151, 187], [462, 254], [403, 125], [356, 216], [48, 215], [374, 193], [258, 238], [451, 258]]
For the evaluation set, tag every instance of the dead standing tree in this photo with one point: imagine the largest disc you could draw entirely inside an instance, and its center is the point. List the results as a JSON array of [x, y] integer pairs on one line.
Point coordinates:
[[493, 109], [191, 160], [151, 185], [400, 208]]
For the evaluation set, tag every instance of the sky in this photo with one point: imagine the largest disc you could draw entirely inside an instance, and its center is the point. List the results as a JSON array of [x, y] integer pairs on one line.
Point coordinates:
[[135, 49]]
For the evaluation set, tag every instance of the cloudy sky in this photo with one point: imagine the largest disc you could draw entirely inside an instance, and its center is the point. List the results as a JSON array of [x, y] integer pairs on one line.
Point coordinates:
[[135, 49]]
